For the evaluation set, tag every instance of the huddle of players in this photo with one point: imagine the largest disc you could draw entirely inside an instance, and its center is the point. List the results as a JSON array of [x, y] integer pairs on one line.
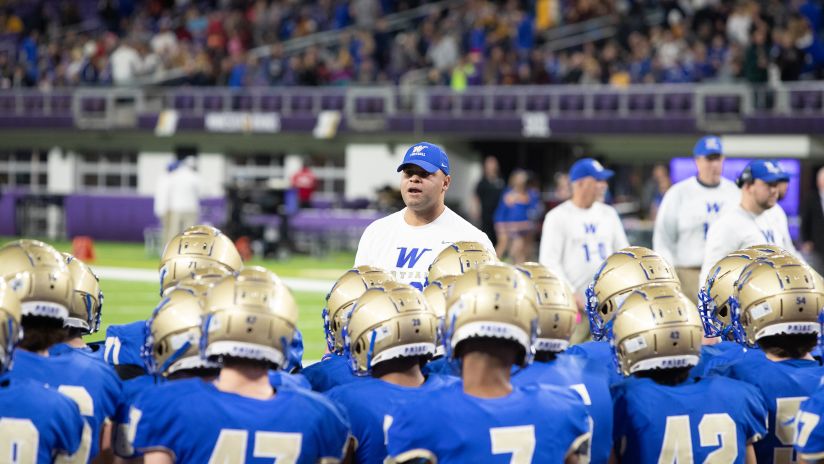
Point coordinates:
[[478, 367]]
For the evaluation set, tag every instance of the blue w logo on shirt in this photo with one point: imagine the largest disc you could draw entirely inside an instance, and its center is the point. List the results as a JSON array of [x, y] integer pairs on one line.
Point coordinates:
[[590, 228], [410, 257], [768, 236], [713, 208]]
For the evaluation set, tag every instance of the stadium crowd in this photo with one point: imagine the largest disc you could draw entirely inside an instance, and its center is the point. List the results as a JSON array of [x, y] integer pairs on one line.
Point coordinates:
[[478, 42]]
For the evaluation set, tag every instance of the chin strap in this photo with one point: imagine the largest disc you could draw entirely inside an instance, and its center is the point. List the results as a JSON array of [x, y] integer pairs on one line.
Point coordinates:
[[148, 340], [739, 335]]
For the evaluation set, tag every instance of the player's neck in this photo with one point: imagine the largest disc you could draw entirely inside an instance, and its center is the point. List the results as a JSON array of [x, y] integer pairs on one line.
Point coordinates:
[[422, 218], [411, 377], [246, 380], [485, 376], [775, 358], [75, 342], [581, 203]]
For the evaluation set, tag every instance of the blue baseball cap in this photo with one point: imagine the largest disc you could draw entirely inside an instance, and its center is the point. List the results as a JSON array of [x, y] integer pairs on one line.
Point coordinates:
[[709, 145], [588, 167], [428, 156], [767, 170]]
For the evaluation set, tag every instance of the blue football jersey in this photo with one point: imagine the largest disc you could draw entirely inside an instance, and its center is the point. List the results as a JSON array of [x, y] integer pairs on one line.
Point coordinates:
[[809, 428], [590, 380], [369, 404], [91, 383], [296, 425], [599, 352], [124, 343], [132, 389], [280, 379], [442, 366], [332, 370], [94, 351], [783, 385], [714, 357], [36, 423], [703, 420], [535, 423]]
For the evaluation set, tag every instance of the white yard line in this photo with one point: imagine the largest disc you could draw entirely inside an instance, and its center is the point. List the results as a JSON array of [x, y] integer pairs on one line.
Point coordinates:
[[148, 275]]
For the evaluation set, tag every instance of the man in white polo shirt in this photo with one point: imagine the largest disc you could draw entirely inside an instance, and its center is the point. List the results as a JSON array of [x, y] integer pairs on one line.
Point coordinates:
[[581, 232], [750, 222], [405, 243], [687, 211]]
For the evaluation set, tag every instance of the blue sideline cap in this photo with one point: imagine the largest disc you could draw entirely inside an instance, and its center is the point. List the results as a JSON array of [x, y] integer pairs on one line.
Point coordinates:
[[588, 167], [768, 170], [428, 156], [709, 145]]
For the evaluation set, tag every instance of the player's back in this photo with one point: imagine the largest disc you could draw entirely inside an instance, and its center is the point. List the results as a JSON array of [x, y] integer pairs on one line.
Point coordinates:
[[332, 370], [94, 350], [590, 380], [91, 383], [809, 428], [369, 405], [39, 422], [716, 357], [598, 352], [706, 420], [123, 348], [531, 424], [132, 389], [295, 425], [783, 385]]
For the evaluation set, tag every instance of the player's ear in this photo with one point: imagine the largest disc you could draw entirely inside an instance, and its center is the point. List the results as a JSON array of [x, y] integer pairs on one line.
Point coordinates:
[[446, 181]]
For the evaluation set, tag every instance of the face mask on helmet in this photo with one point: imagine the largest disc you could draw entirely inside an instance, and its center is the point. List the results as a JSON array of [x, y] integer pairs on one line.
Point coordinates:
[[197, 247], [389, 322], [458, 258], [435, 294], [621, 273], [37, 273], [10, 329], [715, 296], [251, 315], [348, 288], [557, 309], [87, 305], [656, 327], [494, 301], [172, 335], [778, 295]]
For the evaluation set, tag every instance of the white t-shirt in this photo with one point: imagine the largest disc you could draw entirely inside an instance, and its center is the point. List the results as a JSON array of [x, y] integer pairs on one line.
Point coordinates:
[[407, 251], [576, 241], [684, 217], [184, 190], [738, 228]]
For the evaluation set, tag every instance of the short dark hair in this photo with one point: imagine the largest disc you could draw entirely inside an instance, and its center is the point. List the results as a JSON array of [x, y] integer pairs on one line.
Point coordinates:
[[41, 333], [508, 351], [670, 377], [794, 346], [398, 365]]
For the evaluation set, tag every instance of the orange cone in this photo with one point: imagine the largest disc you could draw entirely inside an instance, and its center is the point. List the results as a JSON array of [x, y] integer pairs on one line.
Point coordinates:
[[244, 247], [83, 248]]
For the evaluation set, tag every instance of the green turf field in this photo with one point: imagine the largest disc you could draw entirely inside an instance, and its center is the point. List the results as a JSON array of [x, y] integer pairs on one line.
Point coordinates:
[[126, 301]]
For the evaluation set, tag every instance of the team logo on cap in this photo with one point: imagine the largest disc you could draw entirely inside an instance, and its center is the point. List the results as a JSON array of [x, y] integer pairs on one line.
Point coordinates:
[[597, 166], [417, 150], [772, 167], [712, 143]]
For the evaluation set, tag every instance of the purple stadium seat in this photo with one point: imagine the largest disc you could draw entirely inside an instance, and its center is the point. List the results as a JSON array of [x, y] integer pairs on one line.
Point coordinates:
[[472, 103], [242, 102], [538, 103], [33, 104], [812, 101], [505, 103], [641, 103], [93, 105], [572, 103], [677, 102], [6, 103], [61, 104], [440, 103], [361, 105], [332, 102], [184, 102], [213, 102], [607, 102], [712, 104], [271, 103], [301, 103], [731, 104]]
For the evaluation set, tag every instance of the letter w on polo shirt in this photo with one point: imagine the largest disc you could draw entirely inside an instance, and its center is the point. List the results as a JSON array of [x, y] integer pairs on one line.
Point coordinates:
[[410, 258], [590, 228]]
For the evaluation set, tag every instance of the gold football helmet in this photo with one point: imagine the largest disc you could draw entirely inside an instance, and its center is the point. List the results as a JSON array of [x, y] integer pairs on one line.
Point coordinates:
[[715, 295], [87, 305], [348, 288], [251, 315], [389, 322], [197, 246], [459, 257], [173, 335], [656, 327], [777, 295], [556, 307], [38, 274], [10, 332], [493, 301], [620, 274], [200, 279], [435, 294]]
